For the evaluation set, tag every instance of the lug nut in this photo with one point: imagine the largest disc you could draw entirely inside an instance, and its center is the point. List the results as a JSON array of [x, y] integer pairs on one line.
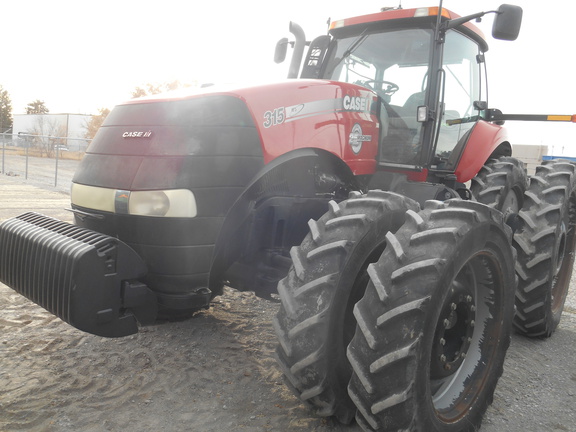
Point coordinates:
[[446, 323], [453, 306], [442, 358], [472, 323], [469, 299], [442, 341], [447, 366]]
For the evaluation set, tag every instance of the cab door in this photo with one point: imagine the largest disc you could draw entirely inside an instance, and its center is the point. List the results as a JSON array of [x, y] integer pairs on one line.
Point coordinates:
[[460, 88]]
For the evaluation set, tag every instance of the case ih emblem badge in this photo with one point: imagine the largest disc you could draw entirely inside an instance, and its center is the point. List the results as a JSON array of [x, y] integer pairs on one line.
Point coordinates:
[[356, 138], [356, 103], [137, 134]]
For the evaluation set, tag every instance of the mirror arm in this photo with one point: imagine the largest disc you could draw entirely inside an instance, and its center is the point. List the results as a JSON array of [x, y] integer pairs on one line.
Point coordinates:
[[459, 21]]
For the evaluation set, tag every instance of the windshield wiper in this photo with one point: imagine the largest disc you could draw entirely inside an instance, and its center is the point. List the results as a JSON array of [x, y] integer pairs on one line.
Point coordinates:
[[361, 37]]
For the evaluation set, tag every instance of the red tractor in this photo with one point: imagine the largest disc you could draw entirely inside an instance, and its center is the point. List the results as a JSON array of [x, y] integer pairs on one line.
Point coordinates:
[[376, 195]]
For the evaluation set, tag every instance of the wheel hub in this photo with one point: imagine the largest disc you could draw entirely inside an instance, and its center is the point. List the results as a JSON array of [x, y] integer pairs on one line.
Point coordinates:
[[560, 248], [453, 333], [511, 205]]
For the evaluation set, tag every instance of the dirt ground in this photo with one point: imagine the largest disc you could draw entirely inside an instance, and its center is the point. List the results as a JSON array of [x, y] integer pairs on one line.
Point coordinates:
[[216, 371]]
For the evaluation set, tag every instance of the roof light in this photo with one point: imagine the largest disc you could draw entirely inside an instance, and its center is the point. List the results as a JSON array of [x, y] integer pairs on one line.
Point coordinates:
[[420, 12], [336, 24], [431, 11]]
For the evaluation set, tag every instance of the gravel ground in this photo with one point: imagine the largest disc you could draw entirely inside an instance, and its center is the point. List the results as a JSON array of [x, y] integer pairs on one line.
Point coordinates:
[[213, 372]]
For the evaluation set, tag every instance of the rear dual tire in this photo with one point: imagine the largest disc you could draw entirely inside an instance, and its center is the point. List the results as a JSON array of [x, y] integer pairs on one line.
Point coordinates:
[[545, 241], [500, 184], [543, 216]]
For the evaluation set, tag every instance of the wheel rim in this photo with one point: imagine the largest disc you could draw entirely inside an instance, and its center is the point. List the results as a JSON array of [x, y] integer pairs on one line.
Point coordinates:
[[564, 249], [466, 336], [512, 204], [560, 248]]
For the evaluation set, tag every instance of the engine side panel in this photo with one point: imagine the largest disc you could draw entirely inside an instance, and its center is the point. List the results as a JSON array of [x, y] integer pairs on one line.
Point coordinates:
[[340, 118]]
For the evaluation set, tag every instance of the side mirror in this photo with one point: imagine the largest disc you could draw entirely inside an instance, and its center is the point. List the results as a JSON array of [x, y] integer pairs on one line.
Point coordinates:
[[281, 50], [507, 22], [480, 105]]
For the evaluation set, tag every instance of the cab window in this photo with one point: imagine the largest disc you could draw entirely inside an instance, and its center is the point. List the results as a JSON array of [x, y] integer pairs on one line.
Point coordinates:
[[461, 87], [395, 66]]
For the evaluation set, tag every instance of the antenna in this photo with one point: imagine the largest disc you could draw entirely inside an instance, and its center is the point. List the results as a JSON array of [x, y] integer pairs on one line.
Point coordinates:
[[438, 21]]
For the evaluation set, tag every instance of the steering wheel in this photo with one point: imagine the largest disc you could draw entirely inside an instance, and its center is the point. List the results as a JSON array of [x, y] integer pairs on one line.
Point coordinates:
[[385, 93]]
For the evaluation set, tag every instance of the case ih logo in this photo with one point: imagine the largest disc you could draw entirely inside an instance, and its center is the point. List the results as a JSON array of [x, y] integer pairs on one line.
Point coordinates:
[[137, 134], [356, 103], [356, 138]]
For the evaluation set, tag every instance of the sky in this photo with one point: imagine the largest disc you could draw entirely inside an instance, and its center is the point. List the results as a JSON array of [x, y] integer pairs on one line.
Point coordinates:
[[78, 56]]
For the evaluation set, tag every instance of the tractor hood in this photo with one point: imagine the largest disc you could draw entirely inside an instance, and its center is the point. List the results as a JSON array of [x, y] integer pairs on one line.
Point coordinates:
[[265, 121], [217, 139]]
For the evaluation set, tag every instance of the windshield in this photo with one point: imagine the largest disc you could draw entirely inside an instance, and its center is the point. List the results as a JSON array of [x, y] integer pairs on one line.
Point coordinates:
[[395, 65]]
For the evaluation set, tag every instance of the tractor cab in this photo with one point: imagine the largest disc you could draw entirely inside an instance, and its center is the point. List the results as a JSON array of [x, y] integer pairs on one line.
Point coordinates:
[[396, 66], [429, 74]]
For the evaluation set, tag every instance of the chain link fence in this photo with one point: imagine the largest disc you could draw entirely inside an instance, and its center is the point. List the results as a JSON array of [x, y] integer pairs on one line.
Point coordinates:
[[41, 159]]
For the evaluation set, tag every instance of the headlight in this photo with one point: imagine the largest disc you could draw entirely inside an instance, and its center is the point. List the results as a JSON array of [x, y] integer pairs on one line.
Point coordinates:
[[149, 203], [93, 197], [166, 203]]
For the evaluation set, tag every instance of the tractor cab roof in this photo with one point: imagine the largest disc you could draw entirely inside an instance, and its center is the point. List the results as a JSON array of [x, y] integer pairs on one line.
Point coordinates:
[[402, 18]]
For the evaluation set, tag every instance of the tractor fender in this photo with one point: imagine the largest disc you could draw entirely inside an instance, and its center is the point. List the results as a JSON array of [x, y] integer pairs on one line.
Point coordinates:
[[305, 173], [486, 140]]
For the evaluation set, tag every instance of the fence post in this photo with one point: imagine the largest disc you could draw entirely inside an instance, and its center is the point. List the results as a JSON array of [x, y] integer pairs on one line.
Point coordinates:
[[56, 172]]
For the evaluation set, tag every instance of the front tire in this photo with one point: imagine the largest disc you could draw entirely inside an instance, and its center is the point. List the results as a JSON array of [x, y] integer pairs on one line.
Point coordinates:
[[328, 276], [435, 321], [545, 242]]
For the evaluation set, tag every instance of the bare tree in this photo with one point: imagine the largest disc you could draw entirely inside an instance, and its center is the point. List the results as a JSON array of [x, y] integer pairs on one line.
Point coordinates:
[[48, 135], [95, 122]]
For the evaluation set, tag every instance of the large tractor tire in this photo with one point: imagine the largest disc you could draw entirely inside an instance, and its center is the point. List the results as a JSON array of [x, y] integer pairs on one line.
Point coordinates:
[[545, 242], [435, 321], [315, 322], [501, 184]]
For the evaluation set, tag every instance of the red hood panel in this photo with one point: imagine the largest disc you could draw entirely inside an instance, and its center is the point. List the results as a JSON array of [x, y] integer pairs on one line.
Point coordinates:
[[338, 117]]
